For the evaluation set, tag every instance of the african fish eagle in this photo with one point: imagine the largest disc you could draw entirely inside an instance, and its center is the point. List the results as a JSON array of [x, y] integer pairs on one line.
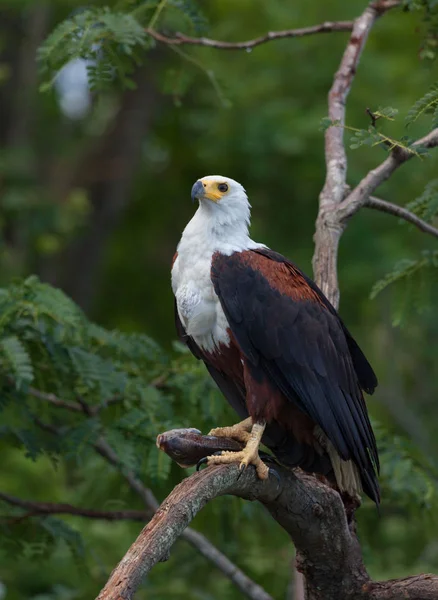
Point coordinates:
[[274, 345]]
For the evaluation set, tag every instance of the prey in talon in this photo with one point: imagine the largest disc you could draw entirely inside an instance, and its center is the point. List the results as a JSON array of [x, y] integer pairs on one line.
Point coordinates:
[[275, 346]]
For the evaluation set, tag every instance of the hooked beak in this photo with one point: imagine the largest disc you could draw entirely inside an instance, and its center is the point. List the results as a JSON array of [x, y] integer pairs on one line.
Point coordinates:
[[198, 191]]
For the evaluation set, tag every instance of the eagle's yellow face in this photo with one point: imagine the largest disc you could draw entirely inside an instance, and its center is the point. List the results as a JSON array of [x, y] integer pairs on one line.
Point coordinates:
[[212, 189]]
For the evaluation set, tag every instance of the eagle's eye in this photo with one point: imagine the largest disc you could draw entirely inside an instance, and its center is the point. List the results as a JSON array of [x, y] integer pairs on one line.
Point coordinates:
[[222, 187]]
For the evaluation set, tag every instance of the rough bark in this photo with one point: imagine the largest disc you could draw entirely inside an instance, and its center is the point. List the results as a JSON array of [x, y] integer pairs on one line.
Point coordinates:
[[329, 228], [308, 510]]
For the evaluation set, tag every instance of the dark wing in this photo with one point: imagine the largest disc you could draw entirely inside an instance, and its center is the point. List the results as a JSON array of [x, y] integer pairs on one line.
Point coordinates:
[[285, 448], [365, 374], [285, 326]]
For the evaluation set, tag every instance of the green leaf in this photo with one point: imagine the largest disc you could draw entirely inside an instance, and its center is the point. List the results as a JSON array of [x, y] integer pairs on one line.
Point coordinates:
[[106, 39], [16, 360], [427, 104], [387, 112], [426, 205]]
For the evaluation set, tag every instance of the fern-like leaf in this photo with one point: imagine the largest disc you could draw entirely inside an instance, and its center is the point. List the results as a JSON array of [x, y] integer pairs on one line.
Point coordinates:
[[16, 360], [106, 39], [427, 104], [410, 273], [426, 205]]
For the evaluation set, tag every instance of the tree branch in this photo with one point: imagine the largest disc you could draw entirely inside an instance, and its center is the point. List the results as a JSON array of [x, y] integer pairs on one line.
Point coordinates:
[[328, 226], [197, 540], [181, 39], [402, 213], [248, 587], [53, 508], [72, 406], [380, 6], [190, 496], [54, 400], [359, 195], [309, 511]]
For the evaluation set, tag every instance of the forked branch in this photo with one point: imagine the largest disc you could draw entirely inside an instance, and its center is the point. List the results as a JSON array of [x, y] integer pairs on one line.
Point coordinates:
[[328, 226], [360, 194]]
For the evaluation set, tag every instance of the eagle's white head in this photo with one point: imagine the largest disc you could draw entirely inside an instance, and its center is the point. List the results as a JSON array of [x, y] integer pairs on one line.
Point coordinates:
[[223, 199], [221, 221]]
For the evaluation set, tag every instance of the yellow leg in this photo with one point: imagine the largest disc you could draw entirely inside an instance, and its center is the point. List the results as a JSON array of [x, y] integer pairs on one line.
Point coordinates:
[[240, 431], [248, 456]]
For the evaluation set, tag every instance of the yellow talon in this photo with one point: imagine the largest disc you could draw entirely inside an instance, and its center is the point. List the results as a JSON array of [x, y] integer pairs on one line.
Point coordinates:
[[239, 432], [248, 456]]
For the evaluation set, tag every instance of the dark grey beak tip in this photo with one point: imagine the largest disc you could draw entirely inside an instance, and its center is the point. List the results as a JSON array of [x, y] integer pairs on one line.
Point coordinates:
[[197, 191]]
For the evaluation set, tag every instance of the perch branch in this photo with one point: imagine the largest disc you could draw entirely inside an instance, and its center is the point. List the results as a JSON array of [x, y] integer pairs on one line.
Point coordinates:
[[359, 195], [181, 39], [197, 540], [309, 511], [402, 213]]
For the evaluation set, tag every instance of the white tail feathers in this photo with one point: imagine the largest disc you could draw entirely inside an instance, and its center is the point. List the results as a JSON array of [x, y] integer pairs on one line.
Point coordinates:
[[346, 473]]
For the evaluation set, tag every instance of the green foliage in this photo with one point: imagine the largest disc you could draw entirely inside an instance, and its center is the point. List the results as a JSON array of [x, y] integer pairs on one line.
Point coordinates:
[[414, 278], [374, 137], [408, 477], [426, 205], [52, 192], [429, 10], [127, 386], [386, 112], [16, 358], [111, 41], [427, 104]]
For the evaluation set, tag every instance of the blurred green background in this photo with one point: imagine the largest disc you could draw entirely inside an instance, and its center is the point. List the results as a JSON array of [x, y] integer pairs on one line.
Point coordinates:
[[94, 194]]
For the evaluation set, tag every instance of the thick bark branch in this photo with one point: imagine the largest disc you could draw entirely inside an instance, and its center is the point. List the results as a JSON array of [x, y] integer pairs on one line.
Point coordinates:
[[311, 513], [418, 587], [181, 39], [298, 503], [358, 197], [196, 539], [402, 213]]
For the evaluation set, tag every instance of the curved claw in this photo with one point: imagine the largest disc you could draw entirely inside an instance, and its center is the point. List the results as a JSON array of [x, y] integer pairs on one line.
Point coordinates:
[[204, 461], [201, 462]]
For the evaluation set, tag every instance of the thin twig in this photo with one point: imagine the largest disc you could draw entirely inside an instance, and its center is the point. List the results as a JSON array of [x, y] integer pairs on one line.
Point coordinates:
[[327, 27], [104, 449], [54, 400], [181, 39], [402, 213], [359, 195], [53, 508]]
